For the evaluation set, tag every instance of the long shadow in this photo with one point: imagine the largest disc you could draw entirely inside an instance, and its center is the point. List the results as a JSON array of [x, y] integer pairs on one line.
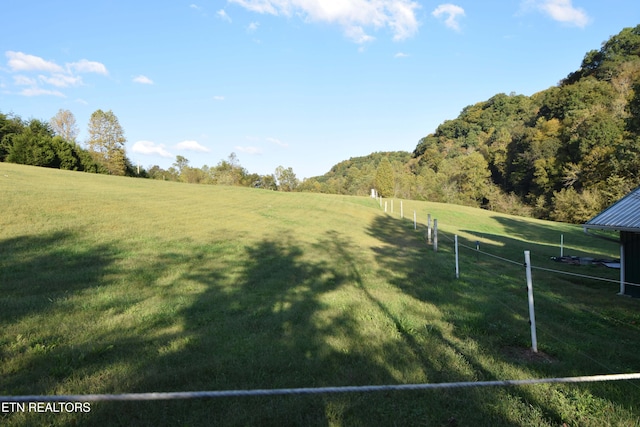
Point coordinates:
[[218, 317], [36, 270], [260, 321], [477, 312]]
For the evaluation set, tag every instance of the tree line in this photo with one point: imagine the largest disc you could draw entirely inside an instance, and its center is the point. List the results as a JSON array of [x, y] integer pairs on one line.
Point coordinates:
[[54, 144], [564, 153]]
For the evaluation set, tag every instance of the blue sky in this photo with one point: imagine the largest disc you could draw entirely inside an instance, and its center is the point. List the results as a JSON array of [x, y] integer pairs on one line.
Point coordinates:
[[298, 83]]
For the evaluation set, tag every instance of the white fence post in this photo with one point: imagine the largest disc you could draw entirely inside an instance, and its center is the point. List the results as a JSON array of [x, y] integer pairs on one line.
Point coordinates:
[[401, 210], [532, 314], [561, 245], [457, 265], [428, 229], [435, 235], [415, 224], [385, 206]]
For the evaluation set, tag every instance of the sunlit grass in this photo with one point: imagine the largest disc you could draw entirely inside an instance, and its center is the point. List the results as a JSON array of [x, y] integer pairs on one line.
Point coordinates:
[[113, 285]]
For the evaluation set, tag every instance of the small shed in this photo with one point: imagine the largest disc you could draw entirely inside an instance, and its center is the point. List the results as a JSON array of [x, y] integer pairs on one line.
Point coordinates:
[[624, 217]]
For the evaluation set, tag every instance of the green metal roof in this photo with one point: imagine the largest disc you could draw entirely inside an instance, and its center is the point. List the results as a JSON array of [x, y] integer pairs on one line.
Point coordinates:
[[623, 215]]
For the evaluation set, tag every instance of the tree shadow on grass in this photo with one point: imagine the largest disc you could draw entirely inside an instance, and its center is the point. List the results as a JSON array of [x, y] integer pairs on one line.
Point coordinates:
[[275, 314], [37, 271], [487, 314]]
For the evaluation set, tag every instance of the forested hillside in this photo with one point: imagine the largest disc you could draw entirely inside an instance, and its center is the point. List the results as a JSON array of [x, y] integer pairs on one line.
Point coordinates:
[[564, 153]]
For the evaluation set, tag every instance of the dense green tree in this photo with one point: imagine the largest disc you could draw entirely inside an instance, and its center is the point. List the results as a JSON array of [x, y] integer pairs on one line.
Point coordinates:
[[286, 179], [384, 178], [106, 141]]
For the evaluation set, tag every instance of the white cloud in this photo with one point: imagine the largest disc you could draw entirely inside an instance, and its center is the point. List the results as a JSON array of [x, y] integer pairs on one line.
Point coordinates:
[[195, 6], [149, 147], [61, 80], [452, 13], [86, 66], [277, 142], [218, 98], [19, 61], [352, 15], [561, 11], [143, 80], [21, 80], [253, 27], [49, 73], [223, 15], [357, 34], [37, 91], [401, 55], [192, 146], [248, 150]]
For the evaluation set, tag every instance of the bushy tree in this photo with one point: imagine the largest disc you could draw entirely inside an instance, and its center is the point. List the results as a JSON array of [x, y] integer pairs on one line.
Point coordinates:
[[384, 178], [286, 179], [106, 141]]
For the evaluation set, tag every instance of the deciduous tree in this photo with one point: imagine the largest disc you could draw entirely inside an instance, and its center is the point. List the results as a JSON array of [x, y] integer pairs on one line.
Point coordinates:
[[384, 178], [106, 141], [286, 178], [64, 125]]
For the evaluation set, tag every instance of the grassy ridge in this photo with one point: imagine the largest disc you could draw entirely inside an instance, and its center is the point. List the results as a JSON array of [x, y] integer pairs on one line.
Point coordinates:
[[116, 285]]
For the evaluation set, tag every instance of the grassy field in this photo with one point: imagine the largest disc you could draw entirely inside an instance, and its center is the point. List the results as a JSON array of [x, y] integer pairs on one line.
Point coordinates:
[[116, 285]]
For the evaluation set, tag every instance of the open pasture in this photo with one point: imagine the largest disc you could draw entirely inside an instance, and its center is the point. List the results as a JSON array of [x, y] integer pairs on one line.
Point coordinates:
[[118, 285]]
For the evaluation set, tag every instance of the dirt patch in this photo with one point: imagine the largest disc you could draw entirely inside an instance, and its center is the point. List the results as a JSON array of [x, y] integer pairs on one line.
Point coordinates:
[[527, 355]]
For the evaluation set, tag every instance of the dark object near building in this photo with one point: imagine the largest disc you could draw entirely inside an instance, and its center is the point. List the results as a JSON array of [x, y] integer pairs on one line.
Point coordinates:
[[624, 217]]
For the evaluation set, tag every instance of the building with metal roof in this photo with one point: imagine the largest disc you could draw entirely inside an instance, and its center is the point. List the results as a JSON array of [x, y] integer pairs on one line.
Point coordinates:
[[624, 216]]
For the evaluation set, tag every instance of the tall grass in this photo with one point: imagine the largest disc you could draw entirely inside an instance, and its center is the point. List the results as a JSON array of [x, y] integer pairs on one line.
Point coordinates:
[[112, 285]]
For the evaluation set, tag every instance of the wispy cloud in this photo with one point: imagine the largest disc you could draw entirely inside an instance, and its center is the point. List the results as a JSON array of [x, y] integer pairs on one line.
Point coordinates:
[[354, 16], [37, 91], [560, 10], [253, 27], [150, 148], [142, 80], [401, 55], [223, 15], [277, 142], [248, 150], [49, 73], [61, 80], [192, 146], [218, 98], [85, 66], [451, 13]]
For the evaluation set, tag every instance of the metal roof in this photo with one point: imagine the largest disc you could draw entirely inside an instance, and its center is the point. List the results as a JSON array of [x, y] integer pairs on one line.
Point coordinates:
[[623, 215]]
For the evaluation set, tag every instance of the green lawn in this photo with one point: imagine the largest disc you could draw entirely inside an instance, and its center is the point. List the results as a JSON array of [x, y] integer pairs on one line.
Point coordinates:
[[118, 285]]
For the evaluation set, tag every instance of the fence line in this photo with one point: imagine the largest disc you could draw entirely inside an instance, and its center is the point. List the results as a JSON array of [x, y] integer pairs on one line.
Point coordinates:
[[311, 390], [584, 276], [510, 308]]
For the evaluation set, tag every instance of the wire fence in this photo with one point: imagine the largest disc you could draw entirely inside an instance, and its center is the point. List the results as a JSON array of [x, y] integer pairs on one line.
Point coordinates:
[[509, 307], [313, 390]]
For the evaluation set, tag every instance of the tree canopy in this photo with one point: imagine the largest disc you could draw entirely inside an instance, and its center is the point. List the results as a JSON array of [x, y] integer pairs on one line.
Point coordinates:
[[564, 153]]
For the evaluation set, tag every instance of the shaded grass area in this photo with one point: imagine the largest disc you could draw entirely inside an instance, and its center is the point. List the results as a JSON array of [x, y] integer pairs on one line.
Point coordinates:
[[115, 285]]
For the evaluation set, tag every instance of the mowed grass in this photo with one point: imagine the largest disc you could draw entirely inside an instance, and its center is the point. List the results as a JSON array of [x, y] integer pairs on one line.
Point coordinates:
[[118, 285]]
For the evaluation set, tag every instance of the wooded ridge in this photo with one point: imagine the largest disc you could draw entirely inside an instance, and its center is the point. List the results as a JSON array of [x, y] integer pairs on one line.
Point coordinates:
[[564, 153]]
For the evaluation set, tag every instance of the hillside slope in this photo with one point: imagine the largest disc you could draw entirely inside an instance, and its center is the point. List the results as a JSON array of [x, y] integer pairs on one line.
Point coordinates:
[[116, 285], [564, 153]]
